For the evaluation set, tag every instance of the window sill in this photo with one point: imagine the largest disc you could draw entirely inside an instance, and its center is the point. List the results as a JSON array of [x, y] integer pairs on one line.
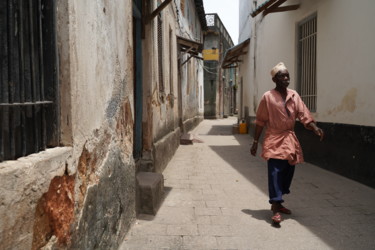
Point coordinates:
[[53, 156]]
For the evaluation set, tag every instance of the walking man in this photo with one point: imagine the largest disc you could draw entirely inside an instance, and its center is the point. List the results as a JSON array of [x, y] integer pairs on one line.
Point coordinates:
[[278, 110]]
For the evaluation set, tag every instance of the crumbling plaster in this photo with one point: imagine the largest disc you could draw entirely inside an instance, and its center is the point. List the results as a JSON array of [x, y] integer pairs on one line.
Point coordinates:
[[22, 184], [95, 54], [102, 114]]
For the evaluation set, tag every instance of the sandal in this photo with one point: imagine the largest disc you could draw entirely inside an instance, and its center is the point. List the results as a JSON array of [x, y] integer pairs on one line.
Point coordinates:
[[276, 218], [277, 207], [284, 210]]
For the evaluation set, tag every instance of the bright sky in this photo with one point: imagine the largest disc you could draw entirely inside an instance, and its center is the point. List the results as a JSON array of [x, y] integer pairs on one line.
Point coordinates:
[[228, 13]]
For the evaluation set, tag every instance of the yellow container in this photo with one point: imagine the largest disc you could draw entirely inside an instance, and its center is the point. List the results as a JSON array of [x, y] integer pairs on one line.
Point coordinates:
[[243, 128]]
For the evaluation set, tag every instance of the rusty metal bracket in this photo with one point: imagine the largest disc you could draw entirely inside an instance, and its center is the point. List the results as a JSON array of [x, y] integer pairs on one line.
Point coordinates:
[[281, 9], [157, 11]]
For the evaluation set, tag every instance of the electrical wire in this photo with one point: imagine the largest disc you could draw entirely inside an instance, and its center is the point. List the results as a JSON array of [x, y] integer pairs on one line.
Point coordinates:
[[207, 68]]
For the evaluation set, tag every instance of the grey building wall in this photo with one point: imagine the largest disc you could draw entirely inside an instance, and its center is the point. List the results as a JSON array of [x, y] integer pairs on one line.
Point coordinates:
[[218, 82]]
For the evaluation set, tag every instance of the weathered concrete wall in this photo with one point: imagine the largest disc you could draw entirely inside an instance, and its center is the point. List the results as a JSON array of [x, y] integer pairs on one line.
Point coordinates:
[[164, 149], [109, 205], [101, 82], [161, 117], [23, 183], [82, 196], [192, 89], [164, 110]]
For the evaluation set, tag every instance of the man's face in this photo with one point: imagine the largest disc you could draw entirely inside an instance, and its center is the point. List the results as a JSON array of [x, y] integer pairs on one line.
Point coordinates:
[[282, 78]]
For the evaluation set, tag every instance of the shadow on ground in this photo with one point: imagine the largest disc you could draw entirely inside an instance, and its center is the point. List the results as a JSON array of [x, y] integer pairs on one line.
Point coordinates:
[[263, 215], [319, 203]]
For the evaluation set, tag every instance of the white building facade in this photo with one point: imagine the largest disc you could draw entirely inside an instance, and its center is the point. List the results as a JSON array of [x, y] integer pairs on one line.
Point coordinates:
[[327, 48]]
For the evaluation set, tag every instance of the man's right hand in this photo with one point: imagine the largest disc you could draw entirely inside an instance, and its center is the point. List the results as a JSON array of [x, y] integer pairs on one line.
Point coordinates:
[[254, 149]]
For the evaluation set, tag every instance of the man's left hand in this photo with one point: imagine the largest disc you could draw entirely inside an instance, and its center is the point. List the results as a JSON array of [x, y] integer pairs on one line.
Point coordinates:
[[319, 132]]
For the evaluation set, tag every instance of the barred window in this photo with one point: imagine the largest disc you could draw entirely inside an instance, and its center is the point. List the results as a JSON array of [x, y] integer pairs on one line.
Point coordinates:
[[160, 53], [28, 89], [307, 32]]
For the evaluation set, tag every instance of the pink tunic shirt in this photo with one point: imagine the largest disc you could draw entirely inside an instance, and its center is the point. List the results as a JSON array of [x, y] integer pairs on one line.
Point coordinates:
[[280, 141]]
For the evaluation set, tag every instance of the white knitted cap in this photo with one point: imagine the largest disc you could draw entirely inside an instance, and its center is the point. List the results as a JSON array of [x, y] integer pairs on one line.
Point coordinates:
[[277, 68]]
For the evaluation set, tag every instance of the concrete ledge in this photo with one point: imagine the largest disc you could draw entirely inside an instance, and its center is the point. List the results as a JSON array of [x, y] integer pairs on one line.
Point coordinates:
[[23, 182], [186, 139], [151, 191], [164, 149], [191, 123]]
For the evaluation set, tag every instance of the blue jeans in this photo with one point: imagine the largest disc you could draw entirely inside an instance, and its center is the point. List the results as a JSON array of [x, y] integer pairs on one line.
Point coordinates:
[[280, 175]]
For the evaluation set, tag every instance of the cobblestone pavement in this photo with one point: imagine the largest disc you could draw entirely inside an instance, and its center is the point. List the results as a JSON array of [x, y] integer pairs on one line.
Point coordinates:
[[216, 198]]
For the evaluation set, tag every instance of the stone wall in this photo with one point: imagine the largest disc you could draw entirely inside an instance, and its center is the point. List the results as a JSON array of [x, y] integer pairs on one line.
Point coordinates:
[[81, 196]]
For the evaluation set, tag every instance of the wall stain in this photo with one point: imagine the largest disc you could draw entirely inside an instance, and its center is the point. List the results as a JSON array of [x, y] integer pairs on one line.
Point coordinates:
[[348, 103], [124, 128]]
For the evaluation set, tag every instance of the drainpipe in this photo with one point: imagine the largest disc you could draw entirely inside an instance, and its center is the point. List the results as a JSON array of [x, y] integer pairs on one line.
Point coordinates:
[[255, 59]]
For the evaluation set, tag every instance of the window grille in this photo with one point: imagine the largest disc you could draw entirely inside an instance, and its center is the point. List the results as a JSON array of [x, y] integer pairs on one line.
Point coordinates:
[[160, 53], [307, 32], [28, 113]]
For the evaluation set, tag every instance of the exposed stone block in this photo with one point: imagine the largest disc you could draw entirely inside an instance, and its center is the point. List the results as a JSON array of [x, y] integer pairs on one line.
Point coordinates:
[[186, 139], [164, 149], [151, 191]]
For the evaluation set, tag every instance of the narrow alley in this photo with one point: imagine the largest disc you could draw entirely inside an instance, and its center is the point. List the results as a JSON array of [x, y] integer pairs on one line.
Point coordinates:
[[216, 198]]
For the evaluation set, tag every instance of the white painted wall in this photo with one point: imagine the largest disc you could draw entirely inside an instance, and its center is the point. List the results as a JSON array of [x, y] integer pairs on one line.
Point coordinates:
[[345, 57], [244, 20]]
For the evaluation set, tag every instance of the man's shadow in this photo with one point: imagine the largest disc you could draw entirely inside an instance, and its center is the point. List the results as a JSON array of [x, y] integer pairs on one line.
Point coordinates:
[[264, 215]]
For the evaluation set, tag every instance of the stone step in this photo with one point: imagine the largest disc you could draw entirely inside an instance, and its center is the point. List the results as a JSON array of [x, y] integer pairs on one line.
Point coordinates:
[[151, 191], [186, 139]]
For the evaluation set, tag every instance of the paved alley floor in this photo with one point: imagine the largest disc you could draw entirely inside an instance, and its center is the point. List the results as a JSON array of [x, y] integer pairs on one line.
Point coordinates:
[[216, 198]]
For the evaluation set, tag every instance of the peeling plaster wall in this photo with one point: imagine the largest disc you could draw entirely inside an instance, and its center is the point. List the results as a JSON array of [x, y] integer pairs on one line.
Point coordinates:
[[192, 72], [161, 118], [160, 109], [100, 64], [52, 197], [164, 104], [102, 114]]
